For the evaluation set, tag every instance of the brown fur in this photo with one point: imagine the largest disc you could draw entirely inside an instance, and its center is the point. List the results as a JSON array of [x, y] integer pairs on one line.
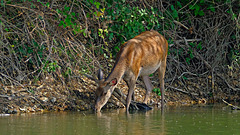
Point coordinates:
[[140, 56]]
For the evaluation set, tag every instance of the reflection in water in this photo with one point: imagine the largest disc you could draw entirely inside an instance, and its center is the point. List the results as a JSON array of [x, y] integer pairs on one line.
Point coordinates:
[[178, 120], [118, 121]]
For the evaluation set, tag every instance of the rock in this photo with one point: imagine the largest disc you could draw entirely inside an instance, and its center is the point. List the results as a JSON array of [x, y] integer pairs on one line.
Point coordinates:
[[23, 109], [202, 101], [30, 109], [143, 106], [53, 100], [44, 99], [139, 106], [2, 114], [9, 111], [14, 111], [9, 92], [5, 109], [87, 95], [152, 102]]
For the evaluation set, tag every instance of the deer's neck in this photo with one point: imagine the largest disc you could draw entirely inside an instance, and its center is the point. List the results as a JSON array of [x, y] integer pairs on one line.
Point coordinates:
[[117, 71], [124, 58]]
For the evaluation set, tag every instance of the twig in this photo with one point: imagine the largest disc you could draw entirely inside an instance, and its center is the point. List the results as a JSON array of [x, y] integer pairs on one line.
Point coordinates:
[[119, 95], [235, 89], [180, 90], [185, 6], [198, 56], [187, 73], [22, 7], [36, 100], [4, 96], [91, 77], [9, 78], [232, 106], [188, 40], [179, 23]]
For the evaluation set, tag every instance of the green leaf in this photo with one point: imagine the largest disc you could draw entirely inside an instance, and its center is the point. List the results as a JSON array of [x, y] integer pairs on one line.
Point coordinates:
[[97, 4], [155, 90], [40, 52], [175, 14], [197, 8], [188, 60], [66, 8], [201, 1], [191, 55], [105, 55], [199, 46], [228, 1], [201, 13], [73, 14], [211, 8], [195, 12], [233, 36], [40, 17], [116, 48], [58, 11], [179, 4], [91, 1], [192, 44], [47, 4], [184, 77], [191, 7], [29, 50], [95, 13], [2, 3], [61, 23], [35, 44], [64, 25], [172, 7], [110, 36]]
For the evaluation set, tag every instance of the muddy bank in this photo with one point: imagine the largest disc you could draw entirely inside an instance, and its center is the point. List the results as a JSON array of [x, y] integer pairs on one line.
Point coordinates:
[[78, 94]]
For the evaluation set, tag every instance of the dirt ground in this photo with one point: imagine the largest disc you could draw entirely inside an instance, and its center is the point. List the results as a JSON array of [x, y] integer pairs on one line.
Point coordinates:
[[79, 95]]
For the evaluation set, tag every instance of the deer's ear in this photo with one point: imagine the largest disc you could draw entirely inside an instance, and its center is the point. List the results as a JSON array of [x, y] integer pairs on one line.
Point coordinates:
[[100, 74], [113, 82]]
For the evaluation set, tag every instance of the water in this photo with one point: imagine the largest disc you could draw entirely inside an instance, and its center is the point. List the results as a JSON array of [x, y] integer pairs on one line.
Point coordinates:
[[194, 120]]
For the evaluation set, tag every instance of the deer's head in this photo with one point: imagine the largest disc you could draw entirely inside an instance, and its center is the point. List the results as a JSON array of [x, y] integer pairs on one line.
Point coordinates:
[[104, 91]]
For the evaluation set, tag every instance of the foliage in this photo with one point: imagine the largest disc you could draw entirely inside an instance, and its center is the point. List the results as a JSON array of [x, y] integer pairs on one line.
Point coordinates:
[[127, 21], [157, 91]]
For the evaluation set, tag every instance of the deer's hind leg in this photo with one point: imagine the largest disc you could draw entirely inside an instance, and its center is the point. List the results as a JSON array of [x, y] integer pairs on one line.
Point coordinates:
[[161, 74], [148, 86]]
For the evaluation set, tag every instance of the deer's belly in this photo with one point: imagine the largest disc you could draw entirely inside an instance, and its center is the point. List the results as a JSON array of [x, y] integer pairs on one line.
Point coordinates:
[[147, 70]]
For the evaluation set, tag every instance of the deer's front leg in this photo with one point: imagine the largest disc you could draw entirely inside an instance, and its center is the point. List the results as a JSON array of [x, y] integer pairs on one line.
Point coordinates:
[[128, 84], [149, 87], [131, 85]]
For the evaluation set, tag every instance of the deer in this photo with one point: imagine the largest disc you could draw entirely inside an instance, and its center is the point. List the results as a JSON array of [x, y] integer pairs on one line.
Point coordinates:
[[138, 57]]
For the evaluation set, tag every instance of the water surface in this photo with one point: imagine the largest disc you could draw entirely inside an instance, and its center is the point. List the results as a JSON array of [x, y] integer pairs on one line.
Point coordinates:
[[213, 120]]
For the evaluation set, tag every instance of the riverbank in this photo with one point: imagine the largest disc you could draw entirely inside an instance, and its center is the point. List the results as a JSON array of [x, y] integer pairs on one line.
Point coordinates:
[[78, 95]]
